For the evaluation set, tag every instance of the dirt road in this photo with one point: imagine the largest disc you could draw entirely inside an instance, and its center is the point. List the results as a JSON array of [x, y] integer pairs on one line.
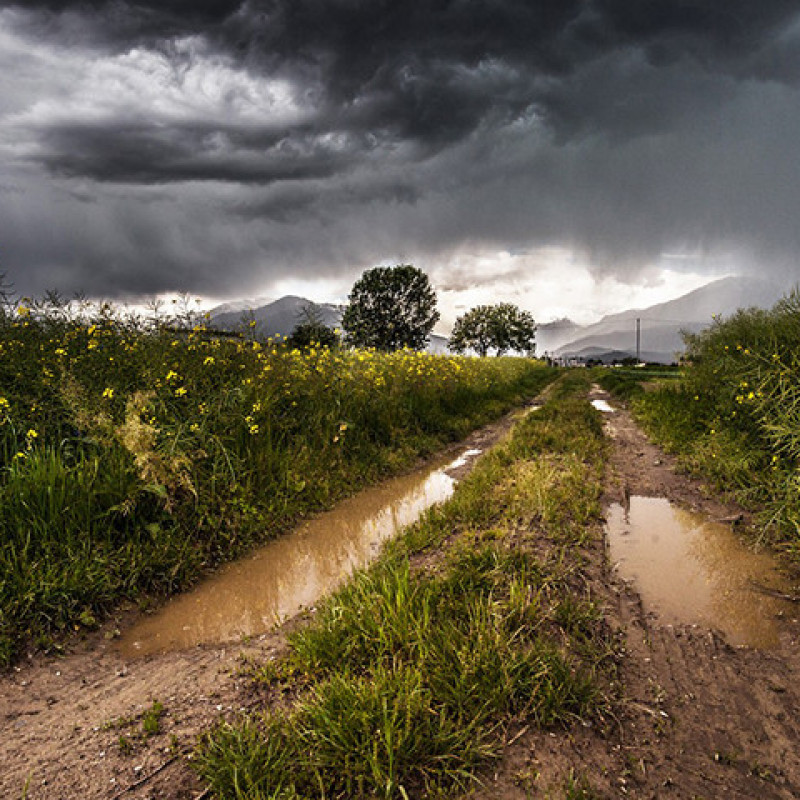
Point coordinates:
[[698, 718], [693, 717], [72, 728]]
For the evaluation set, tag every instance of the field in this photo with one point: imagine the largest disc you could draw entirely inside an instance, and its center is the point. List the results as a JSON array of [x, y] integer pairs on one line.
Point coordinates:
[[492, 649], [135, 455]]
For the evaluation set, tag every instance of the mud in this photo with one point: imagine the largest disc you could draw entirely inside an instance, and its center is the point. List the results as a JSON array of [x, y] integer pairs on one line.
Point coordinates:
[[71, 727]]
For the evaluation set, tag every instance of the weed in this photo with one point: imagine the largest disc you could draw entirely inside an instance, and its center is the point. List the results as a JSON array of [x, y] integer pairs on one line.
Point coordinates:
[[578, 787], [151, 719], [735, 416]]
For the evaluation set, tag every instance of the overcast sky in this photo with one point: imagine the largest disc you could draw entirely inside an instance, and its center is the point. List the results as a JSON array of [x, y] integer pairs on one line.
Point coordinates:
[[573, 156]]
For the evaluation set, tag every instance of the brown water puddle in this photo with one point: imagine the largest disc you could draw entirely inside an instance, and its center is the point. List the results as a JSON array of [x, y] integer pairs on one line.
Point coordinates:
[[690, 570], [250, 596]]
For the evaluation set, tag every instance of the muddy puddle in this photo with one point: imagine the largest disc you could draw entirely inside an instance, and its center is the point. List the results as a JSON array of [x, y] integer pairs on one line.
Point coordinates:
[[689, 570], [250, 596]]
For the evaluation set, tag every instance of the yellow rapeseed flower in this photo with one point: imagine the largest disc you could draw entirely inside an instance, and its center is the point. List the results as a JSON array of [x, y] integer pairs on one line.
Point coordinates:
[[108, 392]]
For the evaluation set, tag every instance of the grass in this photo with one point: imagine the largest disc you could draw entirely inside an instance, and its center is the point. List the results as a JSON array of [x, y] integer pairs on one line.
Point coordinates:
[[627, 384], [137, 454], [406, 680], [735, 416]]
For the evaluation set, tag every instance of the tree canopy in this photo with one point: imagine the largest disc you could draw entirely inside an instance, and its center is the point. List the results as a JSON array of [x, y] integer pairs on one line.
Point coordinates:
[[503, 327], [391, 308]]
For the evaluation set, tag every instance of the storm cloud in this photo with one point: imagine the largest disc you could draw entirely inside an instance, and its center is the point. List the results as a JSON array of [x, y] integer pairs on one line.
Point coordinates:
[[150, 146]]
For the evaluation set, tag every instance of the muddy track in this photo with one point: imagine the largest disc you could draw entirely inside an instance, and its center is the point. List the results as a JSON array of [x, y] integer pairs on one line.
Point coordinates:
[[71, 727], [694, 717]]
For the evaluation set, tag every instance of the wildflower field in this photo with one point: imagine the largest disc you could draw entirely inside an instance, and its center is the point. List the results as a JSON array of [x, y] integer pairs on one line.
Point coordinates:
[[735, 415], [135, 455]]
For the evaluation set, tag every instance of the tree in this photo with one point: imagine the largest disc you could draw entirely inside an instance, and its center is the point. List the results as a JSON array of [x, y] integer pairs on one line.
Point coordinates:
[[503, 327], [391, 308], [311, 331]]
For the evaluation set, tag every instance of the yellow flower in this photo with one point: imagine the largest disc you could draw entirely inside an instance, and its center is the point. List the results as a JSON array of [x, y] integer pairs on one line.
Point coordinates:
[[4, 404], [32, 433], [180, 391], [108, 392], [209, 361]]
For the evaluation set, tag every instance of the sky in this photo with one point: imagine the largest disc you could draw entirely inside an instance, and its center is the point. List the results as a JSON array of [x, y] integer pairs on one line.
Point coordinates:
[[575, 157]]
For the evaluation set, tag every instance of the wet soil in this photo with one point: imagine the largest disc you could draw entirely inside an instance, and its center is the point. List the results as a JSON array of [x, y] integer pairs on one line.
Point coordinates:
[[693, 716], [72, 727]]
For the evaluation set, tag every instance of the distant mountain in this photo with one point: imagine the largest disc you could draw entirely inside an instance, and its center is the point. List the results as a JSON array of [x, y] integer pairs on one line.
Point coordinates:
[[661, 325], [552, 335], [280, 317], [614, 336]]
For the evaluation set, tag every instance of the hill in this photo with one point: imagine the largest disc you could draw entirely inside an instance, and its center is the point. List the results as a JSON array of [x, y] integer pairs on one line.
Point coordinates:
[[661, 324]]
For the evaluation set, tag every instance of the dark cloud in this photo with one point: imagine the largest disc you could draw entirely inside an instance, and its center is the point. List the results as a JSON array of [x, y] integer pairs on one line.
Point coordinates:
[[152, 155], [311, 134]]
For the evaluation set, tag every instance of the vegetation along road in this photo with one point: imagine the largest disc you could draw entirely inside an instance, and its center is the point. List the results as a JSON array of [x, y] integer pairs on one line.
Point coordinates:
[[493, 650]]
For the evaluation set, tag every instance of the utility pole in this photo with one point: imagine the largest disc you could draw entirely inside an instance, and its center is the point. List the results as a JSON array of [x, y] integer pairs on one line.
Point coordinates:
[[638, 340]]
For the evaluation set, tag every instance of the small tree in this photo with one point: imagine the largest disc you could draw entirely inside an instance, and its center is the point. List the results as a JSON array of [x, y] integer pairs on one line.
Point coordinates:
[[391, 308], [311, 330], [503, 327]]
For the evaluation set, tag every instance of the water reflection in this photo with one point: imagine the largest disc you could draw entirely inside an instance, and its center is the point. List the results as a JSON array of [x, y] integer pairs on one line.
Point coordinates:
[[690, 570], [249, 596], [602, 405]]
